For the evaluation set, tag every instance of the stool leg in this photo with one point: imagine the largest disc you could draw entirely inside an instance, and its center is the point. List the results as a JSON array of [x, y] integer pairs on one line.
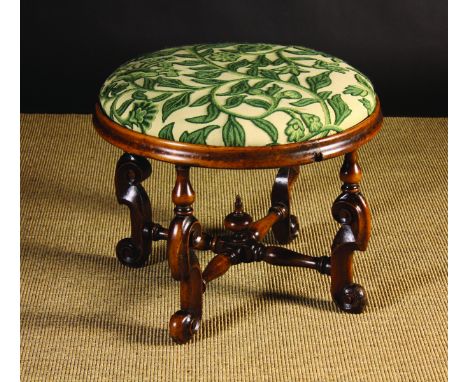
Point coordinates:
[[287, 229], [352, 212], [183, 262], [131, 170]]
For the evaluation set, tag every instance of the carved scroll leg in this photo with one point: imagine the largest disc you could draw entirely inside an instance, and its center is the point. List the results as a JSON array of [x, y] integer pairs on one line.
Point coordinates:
[[130, 172], [287, 229], [183, 262], [186, 322], [351, 211]]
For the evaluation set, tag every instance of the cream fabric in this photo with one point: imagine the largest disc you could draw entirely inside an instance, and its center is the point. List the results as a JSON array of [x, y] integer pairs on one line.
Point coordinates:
[[237, 94]]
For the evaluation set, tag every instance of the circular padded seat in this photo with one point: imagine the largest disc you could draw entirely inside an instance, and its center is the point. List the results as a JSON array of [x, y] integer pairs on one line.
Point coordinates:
[[237, 95]]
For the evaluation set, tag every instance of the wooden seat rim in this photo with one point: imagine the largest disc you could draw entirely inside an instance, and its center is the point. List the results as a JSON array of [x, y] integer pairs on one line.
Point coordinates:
[[250, 157]]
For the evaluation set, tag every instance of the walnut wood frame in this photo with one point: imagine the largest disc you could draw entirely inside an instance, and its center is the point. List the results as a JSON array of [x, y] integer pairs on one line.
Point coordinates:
[[288, 155], [243, 243]]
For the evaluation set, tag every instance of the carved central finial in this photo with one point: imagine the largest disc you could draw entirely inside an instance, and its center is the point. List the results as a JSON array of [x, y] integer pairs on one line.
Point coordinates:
[[238, 220], [238, 205]]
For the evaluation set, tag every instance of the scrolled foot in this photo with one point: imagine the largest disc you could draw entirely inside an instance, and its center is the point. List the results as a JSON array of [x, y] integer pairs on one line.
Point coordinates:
[[293, 227], [182, 326], [131, 170], [129, 255], [351, 299], [285, 231]]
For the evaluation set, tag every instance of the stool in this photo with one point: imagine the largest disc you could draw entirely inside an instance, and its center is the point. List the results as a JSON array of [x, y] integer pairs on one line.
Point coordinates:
[[238, 106]]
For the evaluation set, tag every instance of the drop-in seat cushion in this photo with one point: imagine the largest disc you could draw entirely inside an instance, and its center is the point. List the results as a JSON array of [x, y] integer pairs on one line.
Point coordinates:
[[237, 94]]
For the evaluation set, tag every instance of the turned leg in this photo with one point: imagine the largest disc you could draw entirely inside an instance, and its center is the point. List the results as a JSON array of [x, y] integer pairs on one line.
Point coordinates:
[[286, 257], [130, 172], [351, 211], [183, 262], [287, 229]]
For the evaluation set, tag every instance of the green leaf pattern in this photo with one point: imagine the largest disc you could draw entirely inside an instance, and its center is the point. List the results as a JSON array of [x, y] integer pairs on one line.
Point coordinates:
[[237, 94]]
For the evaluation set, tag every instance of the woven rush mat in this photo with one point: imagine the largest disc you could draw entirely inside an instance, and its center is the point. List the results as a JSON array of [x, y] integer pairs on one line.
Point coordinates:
[[85, 317]]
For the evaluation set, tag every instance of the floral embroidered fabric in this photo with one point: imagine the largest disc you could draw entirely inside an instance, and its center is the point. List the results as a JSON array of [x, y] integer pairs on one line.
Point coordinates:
[[237, 94]]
